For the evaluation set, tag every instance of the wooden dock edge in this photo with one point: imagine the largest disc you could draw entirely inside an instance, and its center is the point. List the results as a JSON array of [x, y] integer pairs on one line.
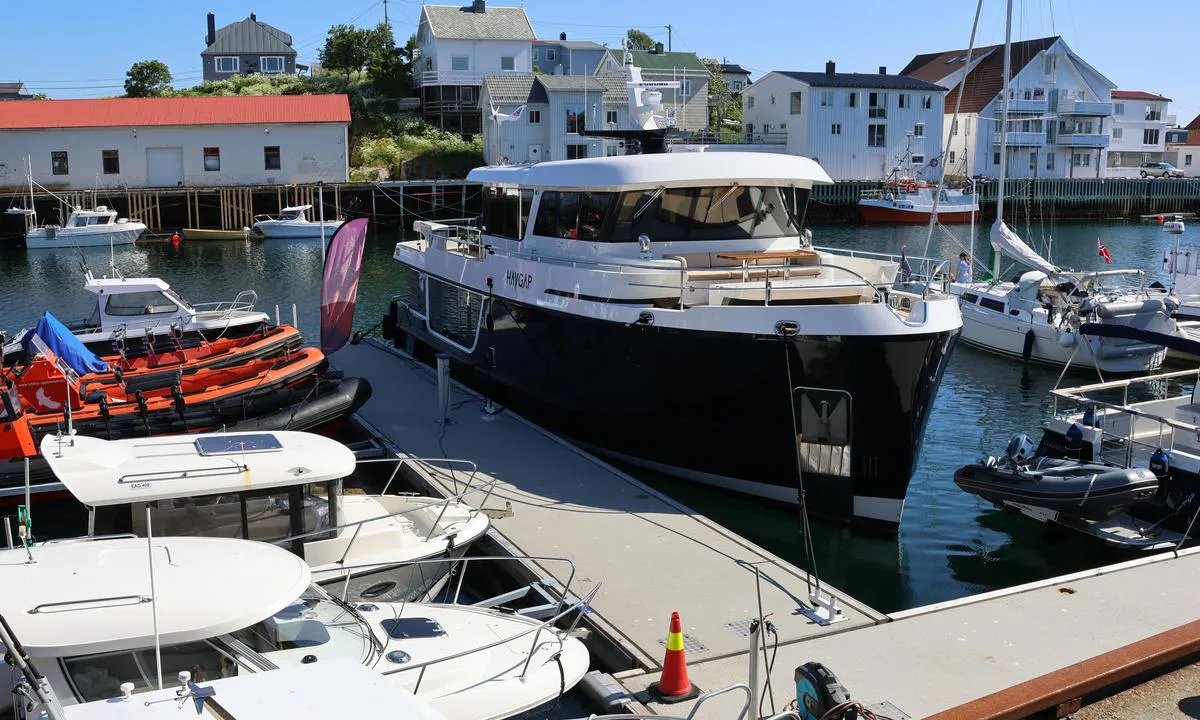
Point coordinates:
[[1064, 689]]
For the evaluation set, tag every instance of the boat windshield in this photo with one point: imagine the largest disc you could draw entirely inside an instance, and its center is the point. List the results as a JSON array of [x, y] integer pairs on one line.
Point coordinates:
[[734, 212], [292, 215], [314, 620]]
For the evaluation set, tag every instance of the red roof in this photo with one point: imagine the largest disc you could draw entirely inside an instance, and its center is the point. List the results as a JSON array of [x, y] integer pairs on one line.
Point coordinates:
[[150, 112], [1194, 124], [986, 79], [1137, 95]]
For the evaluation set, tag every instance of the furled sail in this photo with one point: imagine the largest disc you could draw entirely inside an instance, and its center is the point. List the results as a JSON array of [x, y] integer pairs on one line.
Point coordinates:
[[1007, 242]]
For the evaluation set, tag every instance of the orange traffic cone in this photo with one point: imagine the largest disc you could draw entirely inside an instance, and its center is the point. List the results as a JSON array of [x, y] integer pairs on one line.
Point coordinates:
[[673, 686]]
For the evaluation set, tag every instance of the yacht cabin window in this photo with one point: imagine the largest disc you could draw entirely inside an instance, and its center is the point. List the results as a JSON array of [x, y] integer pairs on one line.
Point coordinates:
[[574, 215], [732, 212], [150, 302], [505, 211], [99, 220]]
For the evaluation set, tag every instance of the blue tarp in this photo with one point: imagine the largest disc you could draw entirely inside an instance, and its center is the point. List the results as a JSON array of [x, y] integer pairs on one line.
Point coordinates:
[[64, 344]]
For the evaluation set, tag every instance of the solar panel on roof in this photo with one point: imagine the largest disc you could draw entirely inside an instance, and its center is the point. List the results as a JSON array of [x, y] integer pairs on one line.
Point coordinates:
[[237, 444]]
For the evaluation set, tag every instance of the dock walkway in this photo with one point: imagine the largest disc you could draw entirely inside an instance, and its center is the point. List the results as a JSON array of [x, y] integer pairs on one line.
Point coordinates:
[[652, 554]]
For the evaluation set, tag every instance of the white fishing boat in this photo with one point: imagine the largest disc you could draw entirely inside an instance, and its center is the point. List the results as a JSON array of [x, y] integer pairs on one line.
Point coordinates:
[[95, 614], [98, 227], [293, 222], [1037, 317], [131, 314], [282, 487], [911, 202]]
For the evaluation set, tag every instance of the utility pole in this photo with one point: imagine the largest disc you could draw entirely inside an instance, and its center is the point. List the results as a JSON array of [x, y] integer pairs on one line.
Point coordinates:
[[668, 38], [385, 18]]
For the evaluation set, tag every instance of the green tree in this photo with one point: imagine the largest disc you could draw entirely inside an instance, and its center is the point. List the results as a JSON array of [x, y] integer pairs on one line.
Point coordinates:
[[347, 49], [148, 78], [39, 96], [723, 104], [638, 40]]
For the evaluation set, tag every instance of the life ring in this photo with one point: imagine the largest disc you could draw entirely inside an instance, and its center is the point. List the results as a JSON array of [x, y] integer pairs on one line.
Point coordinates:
[[933, 163]]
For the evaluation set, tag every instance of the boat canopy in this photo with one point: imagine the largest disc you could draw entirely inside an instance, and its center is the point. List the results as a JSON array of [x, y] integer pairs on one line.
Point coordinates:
[[116, 472], [296, 208], [65, 345], [646, 172], [91, 596], [1014, 247]]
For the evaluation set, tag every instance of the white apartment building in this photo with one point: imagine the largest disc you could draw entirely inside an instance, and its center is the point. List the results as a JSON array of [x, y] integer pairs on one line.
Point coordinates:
[[1060, 110], [858, 126], [1139, 131]]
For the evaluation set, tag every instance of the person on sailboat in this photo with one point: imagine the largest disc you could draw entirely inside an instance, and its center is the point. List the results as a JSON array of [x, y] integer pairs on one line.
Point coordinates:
[[964, 269]]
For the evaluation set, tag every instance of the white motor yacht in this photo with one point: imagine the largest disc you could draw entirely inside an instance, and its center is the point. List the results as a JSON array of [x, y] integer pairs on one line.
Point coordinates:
[[670, 310], [282, 487], [293, 222], [131, 315], [95, 614], [99, 227]]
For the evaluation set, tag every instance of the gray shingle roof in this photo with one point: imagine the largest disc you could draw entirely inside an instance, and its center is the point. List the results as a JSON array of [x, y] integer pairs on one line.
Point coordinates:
[[250, 36], [495, 23], [508, 89], [572, 44], [861, 80], [613, 84]]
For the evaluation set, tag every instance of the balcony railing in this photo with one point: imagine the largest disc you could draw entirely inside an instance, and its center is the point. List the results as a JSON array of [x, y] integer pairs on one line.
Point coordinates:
[[459, 77], [1084, 107], [1022, 139], [1021, 105], [1085, 140]]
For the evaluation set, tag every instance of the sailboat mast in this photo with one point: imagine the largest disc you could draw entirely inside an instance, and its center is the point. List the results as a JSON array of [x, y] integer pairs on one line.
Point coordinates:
[[32, 207], [1003, 131]]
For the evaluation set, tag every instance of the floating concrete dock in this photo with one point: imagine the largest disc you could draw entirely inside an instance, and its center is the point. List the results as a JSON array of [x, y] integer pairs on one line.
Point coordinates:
[[1005, 654]]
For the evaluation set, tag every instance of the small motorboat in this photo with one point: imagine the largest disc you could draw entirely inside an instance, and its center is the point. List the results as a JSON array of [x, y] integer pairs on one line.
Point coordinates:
[[1091, 490], [206, 234], [1174, 225], [99, 227], [293, 222]]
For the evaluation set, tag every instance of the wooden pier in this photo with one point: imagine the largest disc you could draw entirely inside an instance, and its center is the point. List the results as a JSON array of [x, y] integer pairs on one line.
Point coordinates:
[[1005, 654]]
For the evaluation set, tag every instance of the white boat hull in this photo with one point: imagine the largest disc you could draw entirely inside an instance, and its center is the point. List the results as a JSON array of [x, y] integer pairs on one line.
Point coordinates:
[[97, 236], [295, 228]]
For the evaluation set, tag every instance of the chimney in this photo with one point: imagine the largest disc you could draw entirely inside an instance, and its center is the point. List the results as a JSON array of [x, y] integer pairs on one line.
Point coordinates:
[[253, 17], [883, 69], [212, 30], [658, 48], [562, 37], [830, 68], [478, 6]]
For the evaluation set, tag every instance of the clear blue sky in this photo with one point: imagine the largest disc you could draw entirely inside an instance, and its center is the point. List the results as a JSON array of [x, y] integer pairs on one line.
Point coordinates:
[[78, 48]]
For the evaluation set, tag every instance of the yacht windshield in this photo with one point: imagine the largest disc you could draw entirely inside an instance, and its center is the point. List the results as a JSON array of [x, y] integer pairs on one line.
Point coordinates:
[[734, 212]]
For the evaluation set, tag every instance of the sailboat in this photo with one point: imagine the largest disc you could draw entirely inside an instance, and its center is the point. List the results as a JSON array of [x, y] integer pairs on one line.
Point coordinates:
[[1037, 316]]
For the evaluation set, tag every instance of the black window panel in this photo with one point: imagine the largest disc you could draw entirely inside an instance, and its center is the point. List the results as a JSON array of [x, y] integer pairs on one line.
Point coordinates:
[[970, 297], [502, 215], [547, 216], [58, 163], [594, 210], [990, 304], [568, 215], [709, 213], [111, 161], [271, 159]]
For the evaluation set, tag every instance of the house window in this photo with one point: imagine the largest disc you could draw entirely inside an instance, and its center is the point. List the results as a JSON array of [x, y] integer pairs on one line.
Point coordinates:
[[212, 158], [535, 53], [919, 130], [796, 103], [506, 62], [953, 128], [576, 151], [903, 100], [1117, 133], [750, 101], [1114, 159], [772, 99], [111, 162], [926, 102], [271, 64], [1083, 160], [735, 85], [851, 99], [1050, 64], [950, 157], [535, 117], [1153, 111], [227, 64], [1033, 160], [271, 157], [1187, 160], [835, 129], [575, 117], [685, 89], [918, 159], [58, 162], [459, 63], [1150, 137], [550, 54], [1049, 161], [1119, 109], [826, 98], [877, 136], [1145, 158], [613, 150], [610, 117], [877, 105], [766, 128], [995, 158], [428, 63]]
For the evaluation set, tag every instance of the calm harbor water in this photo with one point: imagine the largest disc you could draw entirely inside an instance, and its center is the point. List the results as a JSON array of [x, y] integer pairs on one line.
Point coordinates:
[[950, 544]]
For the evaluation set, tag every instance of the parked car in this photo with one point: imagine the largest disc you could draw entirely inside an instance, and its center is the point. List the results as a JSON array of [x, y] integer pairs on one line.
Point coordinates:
[[1160, 169]]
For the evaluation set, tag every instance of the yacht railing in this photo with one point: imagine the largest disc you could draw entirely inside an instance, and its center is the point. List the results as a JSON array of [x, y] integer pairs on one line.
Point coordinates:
[[443, 505], [243, 303]]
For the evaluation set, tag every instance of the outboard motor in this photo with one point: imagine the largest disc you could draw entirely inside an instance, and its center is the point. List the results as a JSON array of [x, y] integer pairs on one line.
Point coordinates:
[[1020, 449], [1074, 442], [1160, 465]]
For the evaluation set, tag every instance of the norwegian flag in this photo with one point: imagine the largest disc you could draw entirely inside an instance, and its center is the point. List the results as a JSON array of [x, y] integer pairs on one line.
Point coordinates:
[[1104, 253]]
